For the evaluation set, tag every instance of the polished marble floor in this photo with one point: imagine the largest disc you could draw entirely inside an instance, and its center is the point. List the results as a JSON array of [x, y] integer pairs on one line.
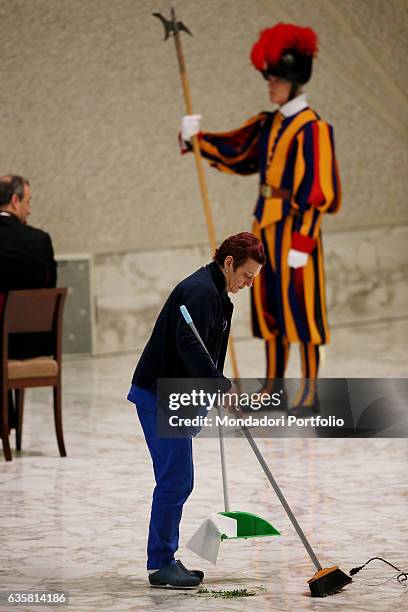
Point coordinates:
[[79, 523]]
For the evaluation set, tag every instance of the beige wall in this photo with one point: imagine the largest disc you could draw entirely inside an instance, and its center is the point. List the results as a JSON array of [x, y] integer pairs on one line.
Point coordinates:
[[91, 103], [90, 106]]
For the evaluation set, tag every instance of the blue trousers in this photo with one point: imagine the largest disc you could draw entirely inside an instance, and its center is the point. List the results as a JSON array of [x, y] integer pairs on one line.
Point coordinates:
[[174, 474]]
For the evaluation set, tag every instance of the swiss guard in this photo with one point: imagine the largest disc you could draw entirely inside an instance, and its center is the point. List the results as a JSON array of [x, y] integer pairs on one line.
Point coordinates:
[[292, 150]]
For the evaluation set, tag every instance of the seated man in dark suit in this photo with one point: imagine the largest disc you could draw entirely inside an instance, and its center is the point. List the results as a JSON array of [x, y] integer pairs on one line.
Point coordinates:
[[26, 253], [26, 259]]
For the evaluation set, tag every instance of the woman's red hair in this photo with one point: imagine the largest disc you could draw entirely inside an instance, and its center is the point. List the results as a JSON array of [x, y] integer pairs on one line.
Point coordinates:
[[242, 246]]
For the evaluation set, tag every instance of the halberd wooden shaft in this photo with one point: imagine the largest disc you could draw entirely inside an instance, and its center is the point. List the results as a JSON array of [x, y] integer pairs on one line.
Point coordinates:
[[201, 177]]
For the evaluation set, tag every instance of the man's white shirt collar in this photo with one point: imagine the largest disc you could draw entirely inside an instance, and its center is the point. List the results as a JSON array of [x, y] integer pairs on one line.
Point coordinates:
[[294, 106]]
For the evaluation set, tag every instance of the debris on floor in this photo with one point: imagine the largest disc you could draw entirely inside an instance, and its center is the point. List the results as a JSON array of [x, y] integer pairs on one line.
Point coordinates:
[[227, 594]]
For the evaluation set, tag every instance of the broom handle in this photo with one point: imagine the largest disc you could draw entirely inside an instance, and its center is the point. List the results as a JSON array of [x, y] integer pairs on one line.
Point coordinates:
[[260, 458], [200, 173], [281, 497]]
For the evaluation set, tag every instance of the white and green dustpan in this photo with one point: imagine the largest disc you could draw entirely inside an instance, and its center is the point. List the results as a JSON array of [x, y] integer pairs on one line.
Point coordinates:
[[227, 525]]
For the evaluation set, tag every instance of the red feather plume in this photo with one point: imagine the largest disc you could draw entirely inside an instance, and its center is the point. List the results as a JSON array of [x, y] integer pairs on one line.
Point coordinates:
[[273, 42]]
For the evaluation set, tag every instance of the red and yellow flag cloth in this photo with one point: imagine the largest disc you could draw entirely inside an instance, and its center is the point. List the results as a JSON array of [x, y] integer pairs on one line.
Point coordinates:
[[295, 154]]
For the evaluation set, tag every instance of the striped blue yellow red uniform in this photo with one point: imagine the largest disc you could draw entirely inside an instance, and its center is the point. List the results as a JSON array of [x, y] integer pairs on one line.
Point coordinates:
[[295, 155]]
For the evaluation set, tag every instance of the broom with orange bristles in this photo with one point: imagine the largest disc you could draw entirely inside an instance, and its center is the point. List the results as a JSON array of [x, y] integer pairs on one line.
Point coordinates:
[[326, 581]]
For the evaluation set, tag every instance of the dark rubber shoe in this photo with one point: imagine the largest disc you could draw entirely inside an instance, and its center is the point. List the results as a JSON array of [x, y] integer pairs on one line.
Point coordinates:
[[172, 576], [197, 573]]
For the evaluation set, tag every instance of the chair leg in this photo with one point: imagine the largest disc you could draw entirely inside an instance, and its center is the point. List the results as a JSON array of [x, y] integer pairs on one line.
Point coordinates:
[[58, 419], [19, 413], [6, 446], [5, 431]]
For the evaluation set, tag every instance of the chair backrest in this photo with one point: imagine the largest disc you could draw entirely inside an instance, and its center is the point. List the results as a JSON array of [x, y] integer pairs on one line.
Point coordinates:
[[32, 310]]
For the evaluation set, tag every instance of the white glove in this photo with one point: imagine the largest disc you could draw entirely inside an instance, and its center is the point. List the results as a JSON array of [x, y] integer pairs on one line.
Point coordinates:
[[190, 126], [297, 259]]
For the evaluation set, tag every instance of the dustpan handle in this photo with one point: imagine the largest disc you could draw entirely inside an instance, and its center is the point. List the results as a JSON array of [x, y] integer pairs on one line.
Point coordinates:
[[190, 323], [223, 464]]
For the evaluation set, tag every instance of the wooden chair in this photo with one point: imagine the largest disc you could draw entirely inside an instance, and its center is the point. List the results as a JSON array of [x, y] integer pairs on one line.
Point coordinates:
[[34, 310]]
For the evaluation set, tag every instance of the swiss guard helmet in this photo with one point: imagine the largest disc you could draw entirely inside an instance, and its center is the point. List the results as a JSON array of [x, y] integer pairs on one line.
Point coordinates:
[[285, 51]]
